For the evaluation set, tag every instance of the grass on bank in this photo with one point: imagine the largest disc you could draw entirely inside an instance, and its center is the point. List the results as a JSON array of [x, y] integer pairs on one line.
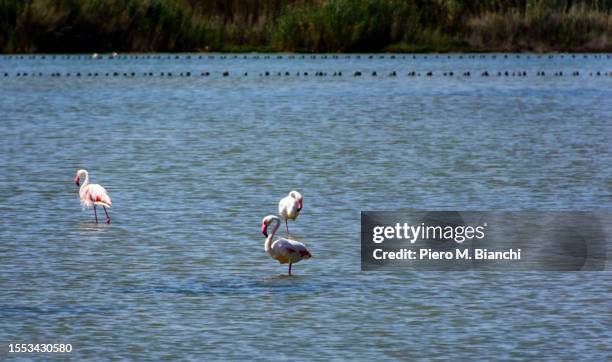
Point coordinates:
[[304, 25]]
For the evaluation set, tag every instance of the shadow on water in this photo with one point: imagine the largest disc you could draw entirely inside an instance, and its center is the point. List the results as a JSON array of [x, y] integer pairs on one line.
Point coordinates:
[[92, 227], [281, 277], [7, 311], [278, 284]]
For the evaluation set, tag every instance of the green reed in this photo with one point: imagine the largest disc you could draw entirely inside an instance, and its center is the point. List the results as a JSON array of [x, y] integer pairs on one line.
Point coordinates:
[[304, 25]]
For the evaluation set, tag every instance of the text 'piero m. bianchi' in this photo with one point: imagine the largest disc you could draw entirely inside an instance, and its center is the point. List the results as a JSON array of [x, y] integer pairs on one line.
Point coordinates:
[[457, 254]]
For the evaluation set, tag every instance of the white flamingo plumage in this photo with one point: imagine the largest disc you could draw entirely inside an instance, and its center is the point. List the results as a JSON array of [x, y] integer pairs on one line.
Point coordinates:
[[92, 194], [289, 207], [285, 251]]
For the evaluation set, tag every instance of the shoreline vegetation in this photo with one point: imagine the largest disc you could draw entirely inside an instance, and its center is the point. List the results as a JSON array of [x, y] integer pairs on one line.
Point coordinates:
[[305, 26]]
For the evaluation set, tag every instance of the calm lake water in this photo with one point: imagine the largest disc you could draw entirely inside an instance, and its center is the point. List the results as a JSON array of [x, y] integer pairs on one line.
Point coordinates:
[[194, 163]]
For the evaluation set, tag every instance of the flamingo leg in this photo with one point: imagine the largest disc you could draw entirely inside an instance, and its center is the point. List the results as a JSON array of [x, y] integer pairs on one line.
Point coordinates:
[[95, 214], [107, 217], [287, 226], [289, 269]]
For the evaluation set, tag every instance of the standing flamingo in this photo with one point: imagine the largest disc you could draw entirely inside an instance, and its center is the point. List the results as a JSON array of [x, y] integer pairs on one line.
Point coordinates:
[[289, 207], [283, 250], [92, 194]]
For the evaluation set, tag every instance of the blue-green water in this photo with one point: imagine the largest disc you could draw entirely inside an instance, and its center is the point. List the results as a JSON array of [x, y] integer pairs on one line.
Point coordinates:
[[194, 163]]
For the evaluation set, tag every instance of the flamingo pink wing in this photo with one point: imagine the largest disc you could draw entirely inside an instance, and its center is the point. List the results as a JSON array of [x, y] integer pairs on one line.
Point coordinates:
[[97, 193]]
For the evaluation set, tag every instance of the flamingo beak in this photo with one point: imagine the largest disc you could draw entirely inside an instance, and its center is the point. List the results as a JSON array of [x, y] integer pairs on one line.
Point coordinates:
[[77, 181], [299, 205], [264, 229]]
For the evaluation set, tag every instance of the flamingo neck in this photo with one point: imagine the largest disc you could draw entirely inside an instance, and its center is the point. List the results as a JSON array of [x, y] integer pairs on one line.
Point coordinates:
[[86, 181], [268, 244]]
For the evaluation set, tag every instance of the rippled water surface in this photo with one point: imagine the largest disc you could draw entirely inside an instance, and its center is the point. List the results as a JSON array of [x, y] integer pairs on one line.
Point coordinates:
[[193, 163]]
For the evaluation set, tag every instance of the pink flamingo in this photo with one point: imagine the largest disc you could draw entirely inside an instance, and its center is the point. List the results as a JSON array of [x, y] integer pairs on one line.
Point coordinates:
[[92, 194], [289, 207], [283, 250]]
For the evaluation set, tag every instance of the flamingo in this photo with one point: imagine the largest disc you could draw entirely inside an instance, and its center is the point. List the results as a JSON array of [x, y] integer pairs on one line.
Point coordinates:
[[92, 194], [283, 250], [289, 207]]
